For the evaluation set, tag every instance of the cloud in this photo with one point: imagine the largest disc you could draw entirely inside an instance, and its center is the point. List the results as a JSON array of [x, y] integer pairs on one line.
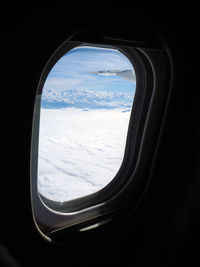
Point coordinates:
[[79, 152]]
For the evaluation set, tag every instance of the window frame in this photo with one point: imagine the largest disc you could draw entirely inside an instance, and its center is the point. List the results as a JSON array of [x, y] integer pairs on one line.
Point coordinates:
[[127, 187]]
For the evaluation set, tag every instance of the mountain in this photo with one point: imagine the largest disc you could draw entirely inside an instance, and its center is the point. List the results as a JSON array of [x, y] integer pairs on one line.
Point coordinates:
[[81, 98]]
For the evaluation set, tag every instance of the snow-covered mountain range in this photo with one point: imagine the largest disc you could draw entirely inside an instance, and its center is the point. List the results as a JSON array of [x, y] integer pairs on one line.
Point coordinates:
[[80, 98]]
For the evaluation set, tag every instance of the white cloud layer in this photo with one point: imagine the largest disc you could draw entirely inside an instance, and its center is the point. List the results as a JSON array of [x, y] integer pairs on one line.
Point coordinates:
[[80, 151]]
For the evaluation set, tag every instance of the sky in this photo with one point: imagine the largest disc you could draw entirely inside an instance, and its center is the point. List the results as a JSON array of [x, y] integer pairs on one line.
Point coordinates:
[[74, 80], [84, 120]]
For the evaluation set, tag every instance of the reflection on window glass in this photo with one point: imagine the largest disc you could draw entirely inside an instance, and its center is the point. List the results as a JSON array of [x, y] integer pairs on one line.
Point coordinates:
[[85, 109]]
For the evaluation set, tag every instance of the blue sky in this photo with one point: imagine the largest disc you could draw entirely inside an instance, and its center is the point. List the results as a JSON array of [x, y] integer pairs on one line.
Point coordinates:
[[78, 69]]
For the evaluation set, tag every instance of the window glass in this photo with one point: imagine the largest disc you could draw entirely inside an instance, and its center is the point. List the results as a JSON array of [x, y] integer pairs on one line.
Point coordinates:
[[85, 110]]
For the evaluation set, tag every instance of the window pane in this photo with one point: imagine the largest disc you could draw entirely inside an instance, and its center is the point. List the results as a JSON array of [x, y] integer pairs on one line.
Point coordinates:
[[85, 109]]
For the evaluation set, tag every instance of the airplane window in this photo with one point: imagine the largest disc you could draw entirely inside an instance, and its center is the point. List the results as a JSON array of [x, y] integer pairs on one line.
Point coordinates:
[[85, 109]]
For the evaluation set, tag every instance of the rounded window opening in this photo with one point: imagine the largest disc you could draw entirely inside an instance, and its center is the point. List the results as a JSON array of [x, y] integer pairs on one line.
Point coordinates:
[[85, 109]]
